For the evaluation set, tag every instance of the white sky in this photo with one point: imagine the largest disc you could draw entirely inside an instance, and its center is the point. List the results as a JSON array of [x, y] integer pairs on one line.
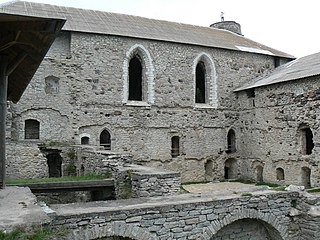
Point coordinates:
[[291, 26]]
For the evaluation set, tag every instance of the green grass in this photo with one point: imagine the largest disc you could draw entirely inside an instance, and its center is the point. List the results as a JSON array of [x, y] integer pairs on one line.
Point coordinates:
[[246, 194], [36, 233], [313, 190], [90, 176]]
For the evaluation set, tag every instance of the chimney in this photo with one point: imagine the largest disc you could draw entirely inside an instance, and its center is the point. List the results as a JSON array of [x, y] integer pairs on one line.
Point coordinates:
[[231, 26]]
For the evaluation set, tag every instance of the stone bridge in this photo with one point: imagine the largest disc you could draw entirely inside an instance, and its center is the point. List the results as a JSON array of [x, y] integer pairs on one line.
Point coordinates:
[[264, 215]]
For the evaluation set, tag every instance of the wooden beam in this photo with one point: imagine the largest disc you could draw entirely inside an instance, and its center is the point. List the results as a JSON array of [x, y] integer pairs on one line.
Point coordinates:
[[3, 111]]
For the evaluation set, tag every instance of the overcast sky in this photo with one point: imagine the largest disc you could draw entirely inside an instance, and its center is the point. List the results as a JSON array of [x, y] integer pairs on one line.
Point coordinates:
[[291, 26]]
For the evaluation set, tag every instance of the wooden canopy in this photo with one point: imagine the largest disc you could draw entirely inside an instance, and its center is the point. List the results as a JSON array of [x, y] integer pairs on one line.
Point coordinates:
[[25, 41]]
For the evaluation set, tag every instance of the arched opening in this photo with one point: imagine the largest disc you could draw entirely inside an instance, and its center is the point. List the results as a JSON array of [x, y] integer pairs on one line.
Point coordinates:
[[32, 129], [135, 79], [175, 146], [85, 140], [231, 141], [306, 139], [259, 173], [105, 139], [280, 174], [305, 177], [200, 83], [248, 229], [54, 161], [230, 169]]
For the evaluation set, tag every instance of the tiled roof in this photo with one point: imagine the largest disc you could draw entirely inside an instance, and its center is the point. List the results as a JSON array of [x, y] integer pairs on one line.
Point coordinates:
[[300, 68], [92, 21]]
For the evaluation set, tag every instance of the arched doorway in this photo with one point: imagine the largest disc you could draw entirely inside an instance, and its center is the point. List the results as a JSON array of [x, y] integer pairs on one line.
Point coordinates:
[[230, 169], [54, 161], [280, 174], [105, 139], [305, 177], [249, 229]]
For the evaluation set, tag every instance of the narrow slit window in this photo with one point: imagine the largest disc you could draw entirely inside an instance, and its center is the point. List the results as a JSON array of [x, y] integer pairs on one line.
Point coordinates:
[[175, 146], [231, 141]]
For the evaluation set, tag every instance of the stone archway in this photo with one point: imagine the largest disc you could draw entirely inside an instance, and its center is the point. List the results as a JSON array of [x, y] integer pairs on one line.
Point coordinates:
[[259, 173], [230, 169], [273, 224], [249, 229]]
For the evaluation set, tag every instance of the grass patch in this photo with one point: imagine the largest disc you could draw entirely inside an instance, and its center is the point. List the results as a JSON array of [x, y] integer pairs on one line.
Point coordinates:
[[35, 233], [90, 176], [273, 185], [313, 190], [246, 194]]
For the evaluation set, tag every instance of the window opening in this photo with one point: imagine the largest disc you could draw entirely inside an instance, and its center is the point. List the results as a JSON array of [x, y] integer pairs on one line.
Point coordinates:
[[32, 129], [231, 141], [135, 79], [85, 140], [306, 174], [308, 140], [200, 83], [105, 139], [175, 146], [280, 174]]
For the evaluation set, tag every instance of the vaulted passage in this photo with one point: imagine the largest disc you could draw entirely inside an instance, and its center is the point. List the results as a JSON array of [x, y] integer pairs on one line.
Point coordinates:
[[230, 169], [248, 229], [135, 79]]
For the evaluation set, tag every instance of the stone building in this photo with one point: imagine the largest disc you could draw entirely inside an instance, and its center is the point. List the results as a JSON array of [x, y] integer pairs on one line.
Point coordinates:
[[171, 95]]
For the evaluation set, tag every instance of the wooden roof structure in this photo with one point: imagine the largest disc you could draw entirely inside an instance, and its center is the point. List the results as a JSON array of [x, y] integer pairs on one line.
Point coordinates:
[[25, 41]]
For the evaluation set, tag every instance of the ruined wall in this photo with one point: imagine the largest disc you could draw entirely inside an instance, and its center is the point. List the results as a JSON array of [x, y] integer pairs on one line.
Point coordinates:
[[176, 217], [79, 91], [271, 132]]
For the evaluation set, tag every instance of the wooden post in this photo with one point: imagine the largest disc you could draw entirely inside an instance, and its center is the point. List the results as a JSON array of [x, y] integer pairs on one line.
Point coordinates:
[[3, 110]]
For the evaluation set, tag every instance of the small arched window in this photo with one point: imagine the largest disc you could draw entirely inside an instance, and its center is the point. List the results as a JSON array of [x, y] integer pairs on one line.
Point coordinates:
[[175, 146], [280, 174], [201, 91], [85, 140], [231, 141], [135, 79], [32, 129], [105, 139]]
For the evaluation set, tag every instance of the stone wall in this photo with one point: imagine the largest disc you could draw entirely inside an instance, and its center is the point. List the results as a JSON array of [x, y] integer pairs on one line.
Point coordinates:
[[79, 91], [181, 217], [270, 133]]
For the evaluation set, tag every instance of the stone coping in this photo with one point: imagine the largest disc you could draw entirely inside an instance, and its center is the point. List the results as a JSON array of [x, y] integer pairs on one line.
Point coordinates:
[[154, 202]]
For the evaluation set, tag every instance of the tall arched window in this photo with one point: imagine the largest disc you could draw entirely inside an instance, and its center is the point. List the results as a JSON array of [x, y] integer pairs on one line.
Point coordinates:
[[231, 141], [32, 129], [175, 146], [135, 79], [201, 95], [205, 82], [105, 139], [138, 76], [307, 143]]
